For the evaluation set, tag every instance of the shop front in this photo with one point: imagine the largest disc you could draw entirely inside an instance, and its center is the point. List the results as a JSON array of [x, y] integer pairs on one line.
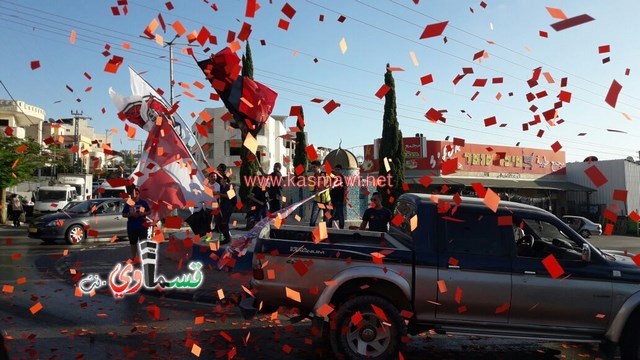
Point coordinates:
[[526, 175]]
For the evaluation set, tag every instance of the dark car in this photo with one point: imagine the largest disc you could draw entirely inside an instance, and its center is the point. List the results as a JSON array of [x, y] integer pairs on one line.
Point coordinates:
[[73, 224]]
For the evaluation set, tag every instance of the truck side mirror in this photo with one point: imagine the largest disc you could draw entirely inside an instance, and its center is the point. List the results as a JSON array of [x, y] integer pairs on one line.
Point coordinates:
[[586, 253]]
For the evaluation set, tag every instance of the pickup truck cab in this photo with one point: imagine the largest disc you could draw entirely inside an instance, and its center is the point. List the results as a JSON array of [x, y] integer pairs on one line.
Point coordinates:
[[453, 265]]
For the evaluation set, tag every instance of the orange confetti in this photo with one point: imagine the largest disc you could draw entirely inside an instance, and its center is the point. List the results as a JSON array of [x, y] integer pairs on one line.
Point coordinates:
[[21, 148], [293, 295], [35, 308], [72, 37], [7, 289]]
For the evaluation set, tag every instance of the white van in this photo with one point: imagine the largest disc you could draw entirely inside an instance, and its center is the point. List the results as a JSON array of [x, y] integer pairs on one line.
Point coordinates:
[[51, 198], [107, 191]]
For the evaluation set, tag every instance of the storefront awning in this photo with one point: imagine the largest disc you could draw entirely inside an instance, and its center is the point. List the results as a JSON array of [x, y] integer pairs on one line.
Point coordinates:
[[506, 183]]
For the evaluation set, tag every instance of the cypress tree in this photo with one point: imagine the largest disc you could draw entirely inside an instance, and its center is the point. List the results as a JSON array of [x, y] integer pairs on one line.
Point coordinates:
[[391, 147], [249, 165]]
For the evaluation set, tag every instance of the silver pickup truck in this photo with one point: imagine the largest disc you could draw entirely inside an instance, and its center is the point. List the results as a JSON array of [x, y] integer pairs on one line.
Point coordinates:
[[456, 267]]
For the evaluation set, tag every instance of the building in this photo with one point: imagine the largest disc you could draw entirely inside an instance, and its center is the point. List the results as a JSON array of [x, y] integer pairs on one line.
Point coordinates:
[[62, 132], [533, 176], [222, 143], [25, 120], [621, 174]]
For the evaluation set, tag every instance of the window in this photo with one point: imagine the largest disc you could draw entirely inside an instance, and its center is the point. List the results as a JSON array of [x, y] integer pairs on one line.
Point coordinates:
[[408, 211], [542, 239], [4, 122], [233, 150], [474, 233]]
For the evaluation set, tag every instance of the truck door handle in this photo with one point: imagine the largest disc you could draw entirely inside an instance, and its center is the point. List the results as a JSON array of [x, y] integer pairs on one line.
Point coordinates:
[[529, 272], [117, 217], [454, 267], [290, 261]]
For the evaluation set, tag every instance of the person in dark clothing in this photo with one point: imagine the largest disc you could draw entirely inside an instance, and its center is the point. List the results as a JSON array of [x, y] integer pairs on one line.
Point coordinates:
[[338, 196], [136, 215], [258, 197], [16, 209], [376, 216], [275, 188], [226, 208]]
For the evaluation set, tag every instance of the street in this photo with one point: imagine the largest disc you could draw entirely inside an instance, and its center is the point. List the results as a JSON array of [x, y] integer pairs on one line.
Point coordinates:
[[155, 325]]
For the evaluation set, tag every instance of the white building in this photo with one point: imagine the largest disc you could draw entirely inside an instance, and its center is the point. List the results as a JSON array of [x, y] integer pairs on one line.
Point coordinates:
[[223, 143], [89, 143], [26, 120], [620, 174]]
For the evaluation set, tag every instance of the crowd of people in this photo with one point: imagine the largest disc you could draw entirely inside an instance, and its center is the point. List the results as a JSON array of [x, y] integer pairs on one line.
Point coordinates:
[[330, 199]]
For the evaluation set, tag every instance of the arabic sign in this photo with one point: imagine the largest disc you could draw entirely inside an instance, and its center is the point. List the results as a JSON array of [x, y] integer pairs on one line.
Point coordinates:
[[476, 158], [126, 280]]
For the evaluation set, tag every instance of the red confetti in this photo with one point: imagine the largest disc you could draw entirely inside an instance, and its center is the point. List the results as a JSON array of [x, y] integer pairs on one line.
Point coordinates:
[[612, 95], [553, 266], [434, 30], [597, 177], [35, 64]]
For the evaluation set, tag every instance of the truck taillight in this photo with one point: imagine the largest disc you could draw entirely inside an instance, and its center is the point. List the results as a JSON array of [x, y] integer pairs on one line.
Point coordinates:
[[258, 274]]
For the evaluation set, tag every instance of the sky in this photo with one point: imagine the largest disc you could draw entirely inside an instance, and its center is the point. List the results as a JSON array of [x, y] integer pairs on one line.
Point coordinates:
[[306, 61]]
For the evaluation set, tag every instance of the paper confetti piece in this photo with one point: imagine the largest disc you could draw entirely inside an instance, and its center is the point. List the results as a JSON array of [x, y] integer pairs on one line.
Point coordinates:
[[35, 64], [612, 94], [251, 143], [553, 266], [556, 146], [343, 45], [620, 195], [503, 308], [196, 350], [427, 79], [491, 200], [449, 166], [414, 59], [571, 22], [442, 286], [556, 13], [597, 178], [325, 310], [384, 89], [330, 106], [433, 30], [72, 37], [292, 294], [35, 308], [7, 289]]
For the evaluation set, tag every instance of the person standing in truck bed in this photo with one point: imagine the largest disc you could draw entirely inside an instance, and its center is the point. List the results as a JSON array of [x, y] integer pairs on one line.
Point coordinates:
[[377, 216]]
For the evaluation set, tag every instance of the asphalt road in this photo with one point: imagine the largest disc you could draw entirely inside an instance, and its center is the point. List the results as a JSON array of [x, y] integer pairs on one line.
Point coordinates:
[[151, 326]]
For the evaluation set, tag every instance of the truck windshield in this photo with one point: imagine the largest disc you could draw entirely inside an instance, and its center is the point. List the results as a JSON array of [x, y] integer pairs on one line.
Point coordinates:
[[52, 195]]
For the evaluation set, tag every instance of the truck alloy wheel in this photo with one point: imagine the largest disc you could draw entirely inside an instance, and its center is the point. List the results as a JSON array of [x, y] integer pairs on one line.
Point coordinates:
[[585, 233], [363, 331], [75, 234]]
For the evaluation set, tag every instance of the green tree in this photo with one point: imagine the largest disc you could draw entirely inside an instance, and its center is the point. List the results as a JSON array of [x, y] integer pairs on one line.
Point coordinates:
[[300, 157], [391, 147], [250, 164], [17, 164]]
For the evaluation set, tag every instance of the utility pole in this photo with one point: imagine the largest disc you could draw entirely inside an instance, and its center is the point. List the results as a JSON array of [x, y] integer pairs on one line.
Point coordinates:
[[76, 138]]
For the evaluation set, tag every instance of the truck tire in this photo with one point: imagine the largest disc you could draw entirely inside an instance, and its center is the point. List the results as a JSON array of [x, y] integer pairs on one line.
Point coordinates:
[[630, 341], [370, 338], [75, 234], [585, 233]]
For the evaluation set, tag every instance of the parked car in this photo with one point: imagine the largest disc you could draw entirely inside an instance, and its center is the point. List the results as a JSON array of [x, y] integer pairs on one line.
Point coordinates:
[[582, 225], [101, 215], [461, 268]]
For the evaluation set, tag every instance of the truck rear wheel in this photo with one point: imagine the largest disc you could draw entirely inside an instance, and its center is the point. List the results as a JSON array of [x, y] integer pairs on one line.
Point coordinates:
[[630, 341], [367, 327]]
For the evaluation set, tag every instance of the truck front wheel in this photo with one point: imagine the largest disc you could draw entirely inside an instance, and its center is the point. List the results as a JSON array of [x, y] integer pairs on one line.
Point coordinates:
[[367, 327]]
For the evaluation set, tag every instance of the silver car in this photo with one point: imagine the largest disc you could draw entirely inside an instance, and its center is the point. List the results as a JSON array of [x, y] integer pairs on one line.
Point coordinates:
[[582, 225], [91, 218]]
